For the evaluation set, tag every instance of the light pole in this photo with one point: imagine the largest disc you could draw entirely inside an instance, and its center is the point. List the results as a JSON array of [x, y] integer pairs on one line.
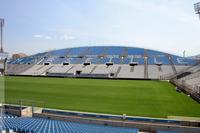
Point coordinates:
[[1, 32], [197, 8]]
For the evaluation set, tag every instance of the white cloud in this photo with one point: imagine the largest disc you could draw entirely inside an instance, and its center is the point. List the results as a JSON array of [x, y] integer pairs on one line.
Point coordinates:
[[42, 36], [62, 37], [66, 37], [48, 37], [38, 36]]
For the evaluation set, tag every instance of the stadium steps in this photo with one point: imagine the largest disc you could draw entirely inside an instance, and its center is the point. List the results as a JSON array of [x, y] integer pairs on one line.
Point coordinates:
[[46, 70], [122, 61], [93, 69], [146, 67], [159, 68], [40, 61], [118, 71], [70, 69], [132, 69], [84, 66], [189, 69], [41, 67], [172, 64]]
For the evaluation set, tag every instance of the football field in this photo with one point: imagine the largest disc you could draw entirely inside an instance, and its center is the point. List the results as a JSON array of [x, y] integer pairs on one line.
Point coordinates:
[[132, 97]]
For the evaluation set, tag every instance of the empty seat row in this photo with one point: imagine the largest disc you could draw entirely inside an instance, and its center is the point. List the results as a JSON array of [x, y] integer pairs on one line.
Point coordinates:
[[97, 60], [40, 125]]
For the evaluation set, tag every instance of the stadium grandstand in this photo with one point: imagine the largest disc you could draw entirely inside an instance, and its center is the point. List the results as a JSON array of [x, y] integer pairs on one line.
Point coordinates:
[[101, 62]]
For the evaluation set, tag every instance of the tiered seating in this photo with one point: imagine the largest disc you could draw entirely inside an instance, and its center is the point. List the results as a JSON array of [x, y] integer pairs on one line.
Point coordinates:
[[101, 69], [189, 81], [39, 125], [76, 60], [77, 67], [37, 70], [115, 50], [135, 51], [163, 59], [88, 69], [117, 60], [126, 72], [60, 52], [96, 51], [103, 60], [59, 68], [17, 69], [192, 79], [107, 51], [139, 60], [166, 70], [180, 67], [7, 116], [151, 60], [126, 60], [157, 64], [77, 51], [167, 132], [179, 60], [59, 60], [154, 72]]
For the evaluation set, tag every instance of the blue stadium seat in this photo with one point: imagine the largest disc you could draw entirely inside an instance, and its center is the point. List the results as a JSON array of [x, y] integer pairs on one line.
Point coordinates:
[[154, 53], [96, 50], [182, 61], [78, 51], [126, 60], [104, 60], [115, 50], [116, 60], [163, 59], [167, 132], [135, 51], [139, 60], [110, 51], [39, 125]]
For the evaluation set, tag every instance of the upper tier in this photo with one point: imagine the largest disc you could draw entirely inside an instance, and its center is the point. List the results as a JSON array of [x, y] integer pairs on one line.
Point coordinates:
[[103, 54]]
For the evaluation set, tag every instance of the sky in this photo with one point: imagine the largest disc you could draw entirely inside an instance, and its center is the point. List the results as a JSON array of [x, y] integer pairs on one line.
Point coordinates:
[[33, 26]]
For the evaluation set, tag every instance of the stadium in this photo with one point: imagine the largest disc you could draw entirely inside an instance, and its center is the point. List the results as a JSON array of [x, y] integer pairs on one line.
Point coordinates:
[[98, 88], [102, 82]]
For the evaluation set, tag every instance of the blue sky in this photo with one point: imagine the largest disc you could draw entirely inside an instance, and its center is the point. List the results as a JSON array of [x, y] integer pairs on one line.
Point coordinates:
[[33, 26]]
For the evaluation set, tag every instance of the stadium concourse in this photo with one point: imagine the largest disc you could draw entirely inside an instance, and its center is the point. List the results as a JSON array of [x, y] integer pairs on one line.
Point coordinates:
[[101, 62]]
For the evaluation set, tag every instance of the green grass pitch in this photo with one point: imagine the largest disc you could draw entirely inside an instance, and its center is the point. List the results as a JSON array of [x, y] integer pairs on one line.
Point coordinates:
[[132, 97]]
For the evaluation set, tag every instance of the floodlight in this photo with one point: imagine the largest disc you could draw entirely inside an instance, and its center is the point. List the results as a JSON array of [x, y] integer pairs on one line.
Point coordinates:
[[1, 33], [197, 8], [1, 21]]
